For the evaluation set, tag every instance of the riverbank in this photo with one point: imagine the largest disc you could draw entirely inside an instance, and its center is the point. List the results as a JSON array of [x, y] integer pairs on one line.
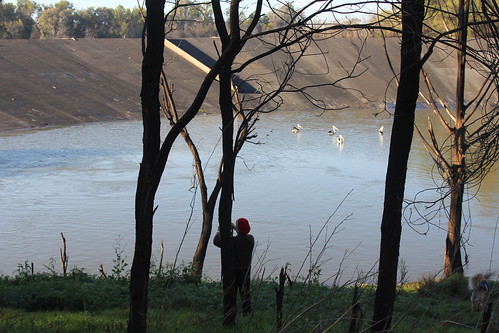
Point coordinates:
[[65, 82], [48, 302]]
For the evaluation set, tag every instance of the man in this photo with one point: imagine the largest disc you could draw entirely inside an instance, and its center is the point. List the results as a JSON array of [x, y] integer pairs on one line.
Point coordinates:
[[242, 246]]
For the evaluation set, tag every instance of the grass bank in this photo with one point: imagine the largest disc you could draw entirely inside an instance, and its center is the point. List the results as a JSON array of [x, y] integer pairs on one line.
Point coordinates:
[[80, 302]]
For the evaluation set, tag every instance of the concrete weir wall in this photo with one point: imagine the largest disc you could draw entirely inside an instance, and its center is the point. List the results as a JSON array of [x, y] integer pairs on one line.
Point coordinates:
[[65, 82]]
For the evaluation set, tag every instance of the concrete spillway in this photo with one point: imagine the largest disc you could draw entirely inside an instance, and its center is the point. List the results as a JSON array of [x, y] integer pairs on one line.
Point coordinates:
[[64, 82]]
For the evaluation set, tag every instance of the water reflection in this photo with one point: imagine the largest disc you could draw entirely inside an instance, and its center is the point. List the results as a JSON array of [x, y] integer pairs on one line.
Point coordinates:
[[81, 181]]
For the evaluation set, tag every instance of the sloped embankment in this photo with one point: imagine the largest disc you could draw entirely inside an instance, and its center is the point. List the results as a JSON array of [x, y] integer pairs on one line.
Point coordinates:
[[64, 82]]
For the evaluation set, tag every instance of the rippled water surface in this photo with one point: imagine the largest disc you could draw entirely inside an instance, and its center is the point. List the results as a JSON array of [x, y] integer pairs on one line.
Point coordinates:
[[81, 181]]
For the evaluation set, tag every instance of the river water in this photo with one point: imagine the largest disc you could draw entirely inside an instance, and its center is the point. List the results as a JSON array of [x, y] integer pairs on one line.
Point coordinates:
[[81, 180]]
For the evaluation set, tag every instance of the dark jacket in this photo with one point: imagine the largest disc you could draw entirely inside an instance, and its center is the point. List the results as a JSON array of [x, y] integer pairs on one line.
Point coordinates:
[[242, 246]]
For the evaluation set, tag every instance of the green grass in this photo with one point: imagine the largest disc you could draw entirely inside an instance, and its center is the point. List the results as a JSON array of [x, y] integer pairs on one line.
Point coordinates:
[[84, 303], [15, 320]]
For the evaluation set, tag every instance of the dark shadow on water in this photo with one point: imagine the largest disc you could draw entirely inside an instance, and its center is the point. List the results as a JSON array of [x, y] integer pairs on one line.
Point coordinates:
[[13, 161]]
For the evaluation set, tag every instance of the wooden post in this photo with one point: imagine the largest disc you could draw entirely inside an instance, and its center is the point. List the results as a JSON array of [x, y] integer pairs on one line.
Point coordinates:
[[64, 256], [279, 298], [486, 318], [161, 254], [356, 311]]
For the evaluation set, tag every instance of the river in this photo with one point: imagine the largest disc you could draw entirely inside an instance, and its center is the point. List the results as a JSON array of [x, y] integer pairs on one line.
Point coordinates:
[[80, 181]]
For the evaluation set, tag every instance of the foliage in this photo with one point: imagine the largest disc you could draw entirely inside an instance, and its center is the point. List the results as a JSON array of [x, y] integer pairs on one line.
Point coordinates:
[[192, 19], [76, 292], [62, 20], [58, 21], [17, 21], [454, 285], [120, 264], [46, 302], [282, 16], [29, 19], [441, 17]]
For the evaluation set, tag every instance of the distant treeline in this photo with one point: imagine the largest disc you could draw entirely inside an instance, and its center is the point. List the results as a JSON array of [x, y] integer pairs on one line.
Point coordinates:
[[30, 20]]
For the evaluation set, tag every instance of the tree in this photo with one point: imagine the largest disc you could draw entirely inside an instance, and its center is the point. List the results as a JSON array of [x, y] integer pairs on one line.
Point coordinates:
[[295, 33], [400, 144], [293, 41], [470, 150], [17, 21], [128, 22], [231, 46], [58, 21], [150, 172], [7, 13], [192, 19], [248, 119], [281, 16], [104, 22], [26, 10], [135, 22], [208, 201], [100, 23], [156, 154], [452, 258]]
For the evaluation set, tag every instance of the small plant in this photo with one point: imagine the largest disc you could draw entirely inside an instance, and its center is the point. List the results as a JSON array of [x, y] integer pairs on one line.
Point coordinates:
[[171, 274], [51, 266], [427, 284], [79, 273], [120, 265], [314, 274], [24, 270], [455, 284], [404, 272]]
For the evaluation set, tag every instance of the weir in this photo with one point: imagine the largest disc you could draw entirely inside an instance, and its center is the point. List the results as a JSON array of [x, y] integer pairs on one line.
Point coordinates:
[[62, 82]]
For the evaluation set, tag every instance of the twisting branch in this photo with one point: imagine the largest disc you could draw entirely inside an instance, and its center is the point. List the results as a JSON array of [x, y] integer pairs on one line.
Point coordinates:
[[64, 256], [432, 95]]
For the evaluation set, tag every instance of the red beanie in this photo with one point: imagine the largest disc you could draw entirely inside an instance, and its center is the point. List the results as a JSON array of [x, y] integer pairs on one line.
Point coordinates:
[[243, 226]]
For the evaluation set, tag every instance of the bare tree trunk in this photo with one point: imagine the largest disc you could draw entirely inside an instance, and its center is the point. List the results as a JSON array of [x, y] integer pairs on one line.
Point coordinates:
[[225, 206], [279, 291], [231, 46], [407, 93], [204, 239], [452, 257], [144, 198], [207, 203], [208, 208]]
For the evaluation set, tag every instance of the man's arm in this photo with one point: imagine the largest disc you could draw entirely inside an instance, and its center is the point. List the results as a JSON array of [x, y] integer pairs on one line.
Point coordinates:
[[217, 240]]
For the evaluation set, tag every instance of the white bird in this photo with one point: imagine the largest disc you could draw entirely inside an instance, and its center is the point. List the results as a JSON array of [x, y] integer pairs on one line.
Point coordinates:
[[381, 129], [297, 128], [333, 131], [340, 140]]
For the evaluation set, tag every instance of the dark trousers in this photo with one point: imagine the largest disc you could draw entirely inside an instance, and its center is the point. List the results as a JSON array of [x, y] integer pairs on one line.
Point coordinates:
[[243, 288]]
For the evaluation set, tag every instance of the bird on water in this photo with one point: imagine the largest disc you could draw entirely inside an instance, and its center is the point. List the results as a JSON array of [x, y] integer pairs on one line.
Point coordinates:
[[297, 128]]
